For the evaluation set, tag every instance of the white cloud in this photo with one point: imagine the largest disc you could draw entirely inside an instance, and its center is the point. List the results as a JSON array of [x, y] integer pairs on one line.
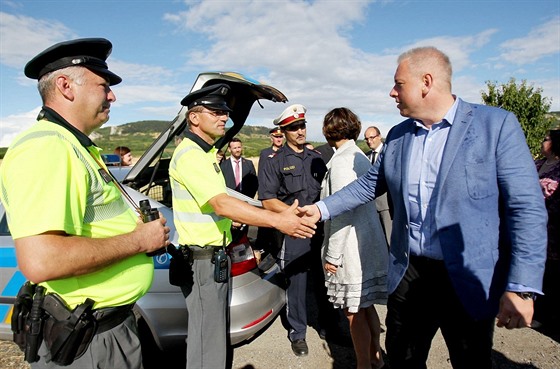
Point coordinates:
[[312, 61], [137, 73], [12, 125], [133, 94], [469, 88], [459, 49], [551, 91], [24, 37], [540, 42], [290, 45], [169, 112]]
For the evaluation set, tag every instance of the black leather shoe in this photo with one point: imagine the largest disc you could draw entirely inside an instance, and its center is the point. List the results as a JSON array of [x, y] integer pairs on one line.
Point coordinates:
[[299, 347]]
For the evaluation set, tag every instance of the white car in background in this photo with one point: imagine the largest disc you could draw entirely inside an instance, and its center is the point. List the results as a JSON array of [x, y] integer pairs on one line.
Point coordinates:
[[257, 284]]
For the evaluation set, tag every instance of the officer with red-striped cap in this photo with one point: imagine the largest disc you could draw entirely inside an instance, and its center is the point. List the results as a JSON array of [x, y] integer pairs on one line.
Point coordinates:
[[293, 172]]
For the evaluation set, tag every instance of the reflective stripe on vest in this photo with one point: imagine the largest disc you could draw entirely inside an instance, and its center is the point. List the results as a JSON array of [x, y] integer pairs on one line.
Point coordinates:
[[180, 193], [95, 210]]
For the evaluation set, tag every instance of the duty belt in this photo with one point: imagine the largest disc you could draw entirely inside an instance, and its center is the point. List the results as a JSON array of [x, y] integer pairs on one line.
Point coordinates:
[[202, 252], [110, 317]]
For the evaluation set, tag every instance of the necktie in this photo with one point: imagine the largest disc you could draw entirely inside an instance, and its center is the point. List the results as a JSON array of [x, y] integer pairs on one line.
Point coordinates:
[[237, 174], [373, 154]]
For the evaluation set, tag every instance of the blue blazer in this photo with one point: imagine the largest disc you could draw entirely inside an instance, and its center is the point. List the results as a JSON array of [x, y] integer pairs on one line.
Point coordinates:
[[490, 212]]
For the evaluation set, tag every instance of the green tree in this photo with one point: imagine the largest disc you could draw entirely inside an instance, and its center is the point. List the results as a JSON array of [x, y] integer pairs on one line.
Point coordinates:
[[527, 103]]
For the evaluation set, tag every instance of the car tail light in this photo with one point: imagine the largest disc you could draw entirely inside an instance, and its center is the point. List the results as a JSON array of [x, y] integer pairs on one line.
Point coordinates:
[[242, 257]]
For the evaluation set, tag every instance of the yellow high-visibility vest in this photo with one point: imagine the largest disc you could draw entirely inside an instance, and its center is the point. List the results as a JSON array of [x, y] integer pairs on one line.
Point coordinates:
[[50, 182], [196, 178]]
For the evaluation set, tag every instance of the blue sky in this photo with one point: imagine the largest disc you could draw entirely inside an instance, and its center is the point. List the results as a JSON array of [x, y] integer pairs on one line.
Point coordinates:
[[322, 54]]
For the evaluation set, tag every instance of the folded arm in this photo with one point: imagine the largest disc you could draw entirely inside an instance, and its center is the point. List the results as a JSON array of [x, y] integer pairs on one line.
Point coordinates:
[[56, 255]]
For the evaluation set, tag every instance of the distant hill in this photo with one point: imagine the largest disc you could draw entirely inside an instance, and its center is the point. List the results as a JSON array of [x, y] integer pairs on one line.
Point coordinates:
[[556, 115], [139, 135], [136, 135]]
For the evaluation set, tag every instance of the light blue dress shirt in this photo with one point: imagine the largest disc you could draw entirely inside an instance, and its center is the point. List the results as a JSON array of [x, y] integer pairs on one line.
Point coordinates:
[[425, 160]]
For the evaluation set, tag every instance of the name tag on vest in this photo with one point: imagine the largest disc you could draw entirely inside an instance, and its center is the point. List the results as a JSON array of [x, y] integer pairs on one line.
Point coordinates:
[[106, 176]]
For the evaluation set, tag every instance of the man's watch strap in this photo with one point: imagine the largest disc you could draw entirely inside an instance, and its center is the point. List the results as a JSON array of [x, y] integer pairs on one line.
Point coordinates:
[[527, 295]]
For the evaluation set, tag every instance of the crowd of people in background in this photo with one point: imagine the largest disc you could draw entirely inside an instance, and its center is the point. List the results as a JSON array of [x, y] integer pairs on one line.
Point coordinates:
[[547, 306]]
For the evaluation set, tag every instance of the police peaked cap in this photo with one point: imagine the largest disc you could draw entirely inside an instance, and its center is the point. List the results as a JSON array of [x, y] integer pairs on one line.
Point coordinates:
[[276, 131], [292, 114], [212, 97], [90, 53]]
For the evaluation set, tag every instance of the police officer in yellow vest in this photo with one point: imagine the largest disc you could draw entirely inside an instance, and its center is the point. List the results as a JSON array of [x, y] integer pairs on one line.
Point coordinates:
[[203, 213], [74, 235]]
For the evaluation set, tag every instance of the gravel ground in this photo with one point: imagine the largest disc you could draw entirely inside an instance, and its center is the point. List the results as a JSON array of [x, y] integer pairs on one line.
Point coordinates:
[[515, 349]]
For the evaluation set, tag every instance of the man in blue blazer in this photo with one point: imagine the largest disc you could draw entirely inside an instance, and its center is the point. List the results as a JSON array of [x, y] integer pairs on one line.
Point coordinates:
[[469, 228], [248, 182]]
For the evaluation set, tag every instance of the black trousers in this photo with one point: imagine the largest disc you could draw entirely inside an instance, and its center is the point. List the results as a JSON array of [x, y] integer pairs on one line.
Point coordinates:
[[547, 307], [294, 261], [424, 302]]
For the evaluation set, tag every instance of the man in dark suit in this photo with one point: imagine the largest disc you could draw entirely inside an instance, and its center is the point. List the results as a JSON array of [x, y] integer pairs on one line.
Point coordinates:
[[469, 222], [374, 140], [239, 173]]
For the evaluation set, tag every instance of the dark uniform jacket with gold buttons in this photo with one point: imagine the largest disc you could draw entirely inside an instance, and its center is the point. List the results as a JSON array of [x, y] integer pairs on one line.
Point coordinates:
[[288, 175]]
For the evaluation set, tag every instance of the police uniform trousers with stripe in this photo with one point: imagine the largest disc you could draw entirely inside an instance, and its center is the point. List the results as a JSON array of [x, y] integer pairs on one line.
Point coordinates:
[[207, 307], [118, 347], [295, 262]]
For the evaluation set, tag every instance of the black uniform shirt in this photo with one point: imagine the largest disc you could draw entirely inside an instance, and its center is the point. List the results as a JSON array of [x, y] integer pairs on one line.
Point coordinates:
[[265, 153], [288, 175]]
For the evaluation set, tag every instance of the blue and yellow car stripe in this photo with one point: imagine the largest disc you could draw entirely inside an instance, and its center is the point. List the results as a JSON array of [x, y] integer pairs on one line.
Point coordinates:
[[11, 278]]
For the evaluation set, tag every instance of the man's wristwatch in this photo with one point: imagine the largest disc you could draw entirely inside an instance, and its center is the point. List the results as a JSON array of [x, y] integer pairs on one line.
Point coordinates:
[[527, 295]]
